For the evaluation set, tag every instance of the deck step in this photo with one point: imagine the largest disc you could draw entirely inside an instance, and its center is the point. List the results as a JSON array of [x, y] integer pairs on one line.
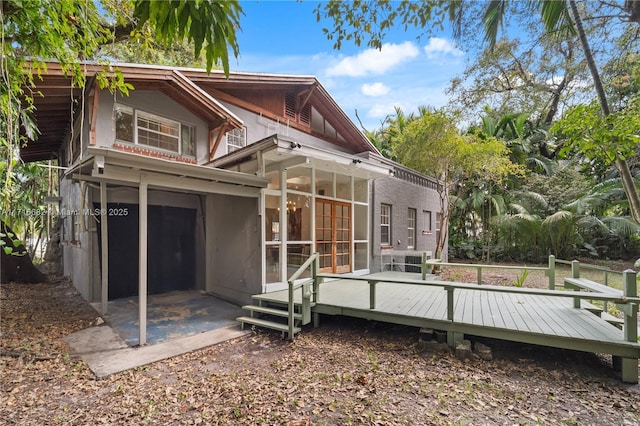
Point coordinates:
[[591, 307], [618, 322], [604, 315], [267, 324], [270, 311]]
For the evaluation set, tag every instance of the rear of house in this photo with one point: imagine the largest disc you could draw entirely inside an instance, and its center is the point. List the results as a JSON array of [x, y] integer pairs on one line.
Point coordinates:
[[225, 185]]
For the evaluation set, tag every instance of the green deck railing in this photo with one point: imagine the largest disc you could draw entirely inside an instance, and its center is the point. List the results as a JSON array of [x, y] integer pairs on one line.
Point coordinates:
[[308, 292], [549, 271]]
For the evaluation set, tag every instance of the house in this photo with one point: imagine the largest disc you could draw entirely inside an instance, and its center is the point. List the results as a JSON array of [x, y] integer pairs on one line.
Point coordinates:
[[199, 181]]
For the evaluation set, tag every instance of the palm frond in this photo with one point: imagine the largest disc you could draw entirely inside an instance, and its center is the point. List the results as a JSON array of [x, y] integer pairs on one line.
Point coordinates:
[[621, 224], [559, 216], [493, 17]]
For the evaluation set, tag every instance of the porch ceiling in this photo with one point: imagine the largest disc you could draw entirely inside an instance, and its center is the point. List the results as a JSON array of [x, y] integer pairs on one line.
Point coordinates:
[[111, 166], [280, 152]]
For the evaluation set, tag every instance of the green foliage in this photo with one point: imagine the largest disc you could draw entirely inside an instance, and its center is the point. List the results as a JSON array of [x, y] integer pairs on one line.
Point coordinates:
[[210, 25], [10, 244], [601, 138], [368, 22], [521, 278]]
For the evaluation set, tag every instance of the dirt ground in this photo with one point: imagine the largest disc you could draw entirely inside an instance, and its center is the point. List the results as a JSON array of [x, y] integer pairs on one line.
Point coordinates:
[[345, 372]]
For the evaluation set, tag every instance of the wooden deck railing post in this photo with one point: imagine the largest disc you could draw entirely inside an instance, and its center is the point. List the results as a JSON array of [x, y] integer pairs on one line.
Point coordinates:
[[575, 269], [372, 294], [315, 270], [630, 289], [450, 303], [306, 303], [423, 270], [575, 273], [479, 275], [552, 272], [291, 307]]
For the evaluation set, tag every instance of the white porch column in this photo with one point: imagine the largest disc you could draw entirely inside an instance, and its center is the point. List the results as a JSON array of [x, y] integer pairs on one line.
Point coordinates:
[[283, 226], [104, 296], [142, 261]]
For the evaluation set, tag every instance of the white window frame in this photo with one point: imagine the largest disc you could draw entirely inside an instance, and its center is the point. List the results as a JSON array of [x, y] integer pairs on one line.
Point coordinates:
[[233, 135], [163, 120], [411, 228], [385, 222]]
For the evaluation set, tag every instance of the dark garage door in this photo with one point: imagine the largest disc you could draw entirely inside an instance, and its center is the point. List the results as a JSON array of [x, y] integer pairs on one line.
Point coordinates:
[[171, 249]]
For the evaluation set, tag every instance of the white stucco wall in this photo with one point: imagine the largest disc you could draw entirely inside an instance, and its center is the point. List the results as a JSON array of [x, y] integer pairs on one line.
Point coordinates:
[[153, 102]]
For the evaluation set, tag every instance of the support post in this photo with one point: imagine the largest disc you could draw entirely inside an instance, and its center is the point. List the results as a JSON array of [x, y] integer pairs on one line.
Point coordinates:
[[372, 294], [291, 308], [142, 258], [575, 269], [424, 265], [306, 303], [552, 272], [450, 303], [315, 270], [630, 289], [479, 275], [575, 273], [104, 247]]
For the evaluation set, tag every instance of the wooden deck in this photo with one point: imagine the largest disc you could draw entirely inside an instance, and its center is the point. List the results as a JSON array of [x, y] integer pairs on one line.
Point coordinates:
[[485, 311]]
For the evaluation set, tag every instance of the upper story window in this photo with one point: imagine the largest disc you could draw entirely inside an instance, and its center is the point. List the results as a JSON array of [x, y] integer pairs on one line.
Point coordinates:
[[385, 224], [142, 128], [303, 116], [236, 139]]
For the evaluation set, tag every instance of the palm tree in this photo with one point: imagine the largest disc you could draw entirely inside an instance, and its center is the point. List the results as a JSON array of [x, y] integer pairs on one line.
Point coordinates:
[[560, 16]]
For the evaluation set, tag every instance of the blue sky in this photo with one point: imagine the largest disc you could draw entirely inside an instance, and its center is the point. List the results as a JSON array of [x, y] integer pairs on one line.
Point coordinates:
[[284, 37]]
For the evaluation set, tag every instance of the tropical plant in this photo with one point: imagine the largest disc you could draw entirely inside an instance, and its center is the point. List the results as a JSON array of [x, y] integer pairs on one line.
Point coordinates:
[[68, 32], [435, 135], [369, 21]]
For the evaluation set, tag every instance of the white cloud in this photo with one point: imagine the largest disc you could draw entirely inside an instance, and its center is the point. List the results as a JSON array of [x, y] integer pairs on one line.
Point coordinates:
[[439, 47], [373, 61], [375, 89]]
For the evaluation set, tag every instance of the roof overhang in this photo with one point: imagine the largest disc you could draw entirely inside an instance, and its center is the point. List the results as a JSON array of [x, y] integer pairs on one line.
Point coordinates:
[[57, 101], [121, 168], [308, 84], [282, 152]]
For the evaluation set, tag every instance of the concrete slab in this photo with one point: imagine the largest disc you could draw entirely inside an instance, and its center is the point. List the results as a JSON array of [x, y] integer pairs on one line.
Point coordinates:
[[107, 353], [170, 315]]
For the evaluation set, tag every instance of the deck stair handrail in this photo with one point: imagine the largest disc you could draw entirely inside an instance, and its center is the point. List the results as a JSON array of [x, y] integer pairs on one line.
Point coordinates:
[[307, 291]]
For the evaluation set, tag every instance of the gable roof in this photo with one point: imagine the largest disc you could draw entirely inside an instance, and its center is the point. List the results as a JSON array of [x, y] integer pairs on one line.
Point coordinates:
[[57, 102], [308, 88], [195, 89]]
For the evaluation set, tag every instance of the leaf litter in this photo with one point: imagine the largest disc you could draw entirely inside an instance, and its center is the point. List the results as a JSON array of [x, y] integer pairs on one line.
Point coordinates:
[[345, 372]]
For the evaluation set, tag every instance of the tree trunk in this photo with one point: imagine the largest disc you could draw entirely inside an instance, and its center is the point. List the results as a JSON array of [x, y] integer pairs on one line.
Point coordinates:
[[17, 267], [621, 164]]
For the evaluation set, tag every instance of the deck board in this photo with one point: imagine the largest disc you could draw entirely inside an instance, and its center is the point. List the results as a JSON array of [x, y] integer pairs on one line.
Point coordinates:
[[541, 319]]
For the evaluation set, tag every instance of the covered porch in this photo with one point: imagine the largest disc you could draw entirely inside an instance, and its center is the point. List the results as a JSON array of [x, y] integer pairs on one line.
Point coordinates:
[[223, 213]]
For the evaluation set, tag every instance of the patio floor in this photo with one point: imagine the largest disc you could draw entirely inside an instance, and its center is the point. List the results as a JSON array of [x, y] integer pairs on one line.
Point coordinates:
[[171, 315]]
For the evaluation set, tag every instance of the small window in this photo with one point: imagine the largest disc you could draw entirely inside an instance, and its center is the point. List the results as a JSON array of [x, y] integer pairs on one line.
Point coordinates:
[[290, 105], [411, 228], [302, 116], [142, 128], [124, 123], [158, 132], [427, 222], [438, 225], [236, 139], [385, 224]]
